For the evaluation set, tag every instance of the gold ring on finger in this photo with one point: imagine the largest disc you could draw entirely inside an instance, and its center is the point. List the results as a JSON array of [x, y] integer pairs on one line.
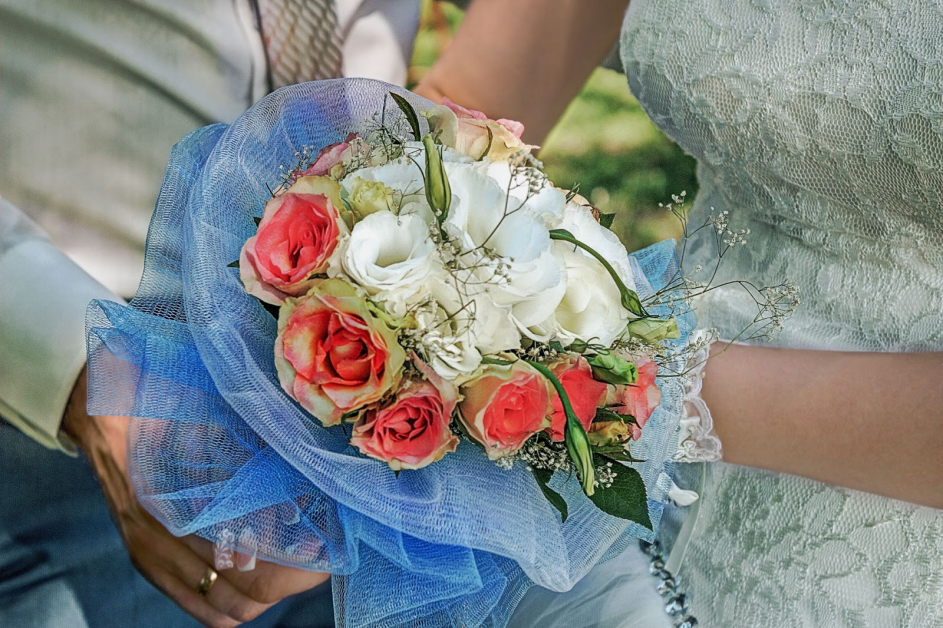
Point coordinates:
[[209, 579]]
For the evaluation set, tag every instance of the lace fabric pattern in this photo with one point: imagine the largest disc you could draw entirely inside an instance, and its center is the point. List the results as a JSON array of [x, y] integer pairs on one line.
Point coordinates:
[[819, 126], [697, 441]]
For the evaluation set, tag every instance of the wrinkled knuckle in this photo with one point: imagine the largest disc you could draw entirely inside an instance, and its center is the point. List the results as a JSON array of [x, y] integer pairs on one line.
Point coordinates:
[[261, 591]]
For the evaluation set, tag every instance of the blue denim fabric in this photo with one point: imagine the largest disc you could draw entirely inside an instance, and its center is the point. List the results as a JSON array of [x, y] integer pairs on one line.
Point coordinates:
[[63, 564]]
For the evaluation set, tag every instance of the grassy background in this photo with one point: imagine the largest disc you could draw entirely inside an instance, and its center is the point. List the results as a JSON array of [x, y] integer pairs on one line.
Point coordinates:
[[623, 163]]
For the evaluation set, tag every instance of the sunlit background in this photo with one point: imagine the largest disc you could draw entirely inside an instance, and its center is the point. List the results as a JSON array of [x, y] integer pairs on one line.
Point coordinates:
[[623, 163]]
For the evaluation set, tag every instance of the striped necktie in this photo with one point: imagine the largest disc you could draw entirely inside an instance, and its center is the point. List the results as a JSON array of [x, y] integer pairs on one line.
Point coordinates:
[[302, 40]]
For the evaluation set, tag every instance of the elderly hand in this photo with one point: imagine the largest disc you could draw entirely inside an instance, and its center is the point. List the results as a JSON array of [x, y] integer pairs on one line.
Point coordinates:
[[174, 565]]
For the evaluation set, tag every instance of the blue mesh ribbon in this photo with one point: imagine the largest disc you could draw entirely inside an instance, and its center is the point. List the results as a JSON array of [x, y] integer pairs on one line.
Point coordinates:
[[218, 448]]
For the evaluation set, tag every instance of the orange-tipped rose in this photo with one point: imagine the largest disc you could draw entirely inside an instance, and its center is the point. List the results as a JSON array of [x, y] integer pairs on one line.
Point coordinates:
[[472, 133], [412, 431], [332, 354], [505, 406], [639, 399], [297, 235]]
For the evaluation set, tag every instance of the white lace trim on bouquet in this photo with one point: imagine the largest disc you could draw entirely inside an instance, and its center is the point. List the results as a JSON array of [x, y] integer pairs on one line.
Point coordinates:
[[698, 442]]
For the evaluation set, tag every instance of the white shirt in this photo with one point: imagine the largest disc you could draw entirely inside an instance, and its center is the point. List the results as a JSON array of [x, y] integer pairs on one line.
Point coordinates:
[[93, 94]]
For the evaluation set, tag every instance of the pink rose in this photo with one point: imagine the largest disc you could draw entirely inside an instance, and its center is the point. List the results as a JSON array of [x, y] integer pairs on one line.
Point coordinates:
[[639, 399], [412, 431], [332, 355], [473, 134], [297, 235], [328, 157], [505, 406], [584, 393]]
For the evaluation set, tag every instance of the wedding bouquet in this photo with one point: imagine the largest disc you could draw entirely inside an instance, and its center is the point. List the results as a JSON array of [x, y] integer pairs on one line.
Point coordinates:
[[372, 338], [441, 287]]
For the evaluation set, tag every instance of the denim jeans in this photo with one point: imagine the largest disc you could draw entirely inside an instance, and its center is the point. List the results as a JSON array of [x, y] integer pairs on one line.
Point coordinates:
[[63, 563]]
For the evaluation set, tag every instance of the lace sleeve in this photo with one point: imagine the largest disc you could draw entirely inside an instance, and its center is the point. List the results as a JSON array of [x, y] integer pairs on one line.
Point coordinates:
[[697, 442]]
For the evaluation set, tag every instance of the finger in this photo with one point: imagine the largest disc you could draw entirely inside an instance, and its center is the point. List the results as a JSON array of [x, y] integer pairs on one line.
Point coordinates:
[[189, 600], [190, 568], [268, 583]]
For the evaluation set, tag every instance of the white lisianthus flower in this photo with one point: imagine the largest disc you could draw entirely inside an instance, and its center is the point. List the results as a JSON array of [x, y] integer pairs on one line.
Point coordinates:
[[391, 257], [591, 308], [470, 304], [547, 203], [508, 248], [579, 220]]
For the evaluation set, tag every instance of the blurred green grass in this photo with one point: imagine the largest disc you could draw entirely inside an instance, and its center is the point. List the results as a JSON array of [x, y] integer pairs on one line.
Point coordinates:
[[604, 142]]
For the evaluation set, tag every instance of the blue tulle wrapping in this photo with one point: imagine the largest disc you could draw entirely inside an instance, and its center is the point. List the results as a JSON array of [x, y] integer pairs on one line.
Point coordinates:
[[219, 449]]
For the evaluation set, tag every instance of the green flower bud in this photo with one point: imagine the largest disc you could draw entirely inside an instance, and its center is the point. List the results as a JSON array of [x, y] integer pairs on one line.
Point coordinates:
[[438, 191], [652, 330], [610, 368], [577, 445]]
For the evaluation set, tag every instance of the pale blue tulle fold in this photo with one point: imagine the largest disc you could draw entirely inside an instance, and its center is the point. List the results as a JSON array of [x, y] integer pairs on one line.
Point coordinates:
[[219, 450]]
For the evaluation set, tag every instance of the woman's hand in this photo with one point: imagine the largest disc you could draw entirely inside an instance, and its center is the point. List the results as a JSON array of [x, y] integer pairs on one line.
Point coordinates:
[[174, 565]]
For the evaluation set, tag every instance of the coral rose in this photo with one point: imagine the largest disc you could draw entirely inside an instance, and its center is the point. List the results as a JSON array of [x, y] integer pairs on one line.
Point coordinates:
[[412, 431], [332, 355], [299, 231], [584, 392], [505, 406], [639, 399]]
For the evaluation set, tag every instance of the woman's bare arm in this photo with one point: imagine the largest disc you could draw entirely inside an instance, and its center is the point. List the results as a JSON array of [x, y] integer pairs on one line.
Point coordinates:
[[525, 59], [868, 421]]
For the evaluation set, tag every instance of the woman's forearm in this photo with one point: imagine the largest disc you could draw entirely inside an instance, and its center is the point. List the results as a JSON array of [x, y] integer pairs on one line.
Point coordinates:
[[867, 421], [524, 59]]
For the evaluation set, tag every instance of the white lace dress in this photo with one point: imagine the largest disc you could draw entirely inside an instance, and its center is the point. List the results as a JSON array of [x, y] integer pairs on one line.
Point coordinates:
[[817, 124]]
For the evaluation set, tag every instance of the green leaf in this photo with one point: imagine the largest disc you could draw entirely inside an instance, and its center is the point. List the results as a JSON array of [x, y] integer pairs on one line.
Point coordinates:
[[233, 264], [556, 500], [256, 220], [608, 414], [410, 114], [606, 220], [619, 455], [626, 498]]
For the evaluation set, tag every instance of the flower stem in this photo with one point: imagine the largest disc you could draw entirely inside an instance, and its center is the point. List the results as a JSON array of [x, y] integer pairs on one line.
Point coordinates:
[[630, 300], [577, 443]]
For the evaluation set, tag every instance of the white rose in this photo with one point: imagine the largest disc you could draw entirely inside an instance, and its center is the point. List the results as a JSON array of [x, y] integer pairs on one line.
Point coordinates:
[[591, 308], [391, 257], [579, 220]]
